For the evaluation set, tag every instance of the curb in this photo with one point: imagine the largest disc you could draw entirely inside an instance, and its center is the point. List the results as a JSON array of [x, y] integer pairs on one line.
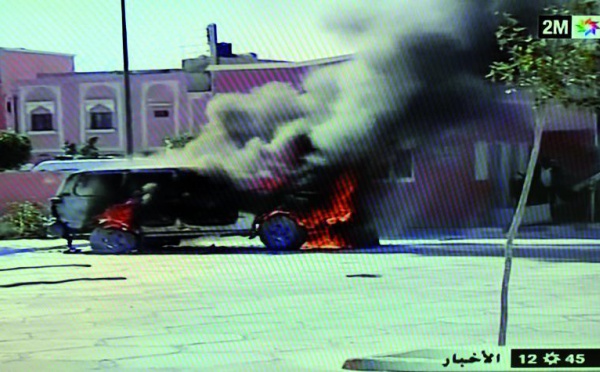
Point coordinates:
[[572, 252], [563, 250], [541, 232]]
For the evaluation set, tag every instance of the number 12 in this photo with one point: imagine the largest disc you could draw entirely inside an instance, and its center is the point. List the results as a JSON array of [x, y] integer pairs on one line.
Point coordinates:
[[528, 359]]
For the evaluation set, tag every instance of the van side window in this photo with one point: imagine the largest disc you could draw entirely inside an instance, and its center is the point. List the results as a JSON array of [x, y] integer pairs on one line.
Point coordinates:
[[135, 181], [104, 185], [207, 189]]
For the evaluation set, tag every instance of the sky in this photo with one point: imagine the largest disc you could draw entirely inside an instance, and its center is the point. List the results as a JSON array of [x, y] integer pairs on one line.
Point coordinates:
[[163, 32]]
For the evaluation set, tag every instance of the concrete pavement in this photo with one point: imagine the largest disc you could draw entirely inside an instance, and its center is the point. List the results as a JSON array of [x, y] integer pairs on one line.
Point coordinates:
[[276, 313]]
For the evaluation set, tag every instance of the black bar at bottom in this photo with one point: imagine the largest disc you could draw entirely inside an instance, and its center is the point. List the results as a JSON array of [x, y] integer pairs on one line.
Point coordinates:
[[555, 358]]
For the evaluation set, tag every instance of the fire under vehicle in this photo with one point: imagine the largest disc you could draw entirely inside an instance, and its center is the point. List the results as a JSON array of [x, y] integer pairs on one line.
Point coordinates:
[[126, 210]]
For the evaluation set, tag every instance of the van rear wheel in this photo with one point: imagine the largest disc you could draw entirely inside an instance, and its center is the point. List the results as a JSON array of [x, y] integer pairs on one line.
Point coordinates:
[[113, 241], [282, 233]]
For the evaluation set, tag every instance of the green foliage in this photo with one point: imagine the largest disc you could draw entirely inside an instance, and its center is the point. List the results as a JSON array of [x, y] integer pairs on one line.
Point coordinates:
[[15, 149], [24, 220], [554, 71], [563, 71], [178, 142], [7, 231]]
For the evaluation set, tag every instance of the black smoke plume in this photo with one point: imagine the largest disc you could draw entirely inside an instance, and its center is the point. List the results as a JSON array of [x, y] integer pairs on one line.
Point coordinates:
[[418, 72]]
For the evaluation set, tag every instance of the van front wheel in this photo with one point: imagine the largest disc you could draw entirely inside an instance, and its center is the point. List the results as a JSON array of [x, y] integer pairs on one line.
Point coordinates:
[[112, 241]]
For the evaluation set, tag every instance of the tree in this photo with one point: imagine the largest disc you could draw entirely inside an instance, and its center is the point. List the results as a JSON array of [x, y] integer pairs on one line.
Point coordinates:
[[15, 149], [555, 72]]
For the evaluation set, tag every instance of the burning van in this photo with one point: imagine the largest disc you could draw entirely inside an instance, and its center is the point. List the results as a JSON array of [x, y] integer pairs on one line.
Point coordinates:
[[125, 210]]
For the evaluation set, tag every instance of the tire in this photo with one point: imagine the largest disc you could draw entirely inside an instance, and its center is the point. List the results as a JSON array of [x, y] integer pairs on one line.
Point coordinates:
[[282, 233], [112, 241]]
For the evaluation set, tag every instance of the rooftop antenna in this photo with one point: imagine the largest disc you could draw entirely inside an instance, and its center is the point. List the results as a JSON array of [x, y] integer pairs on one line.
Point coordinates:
[[211, 34]]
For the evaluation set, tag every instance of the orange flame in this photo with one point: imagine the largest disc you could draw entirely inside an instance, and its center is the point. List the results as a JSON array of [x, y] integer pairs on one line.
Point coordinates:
[[321, 222]]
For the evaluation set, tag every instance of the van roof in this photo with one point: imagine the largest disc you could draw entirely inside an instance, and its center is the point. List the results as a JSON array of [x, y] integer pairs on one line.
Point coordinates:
[[76, 164], [78, 161], [121, 167], [109, 168]]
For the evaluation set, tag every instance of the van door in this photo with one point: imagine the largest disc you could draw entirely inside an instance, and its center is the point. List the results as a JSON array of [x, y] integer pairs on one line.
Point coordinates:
[[85, 196], [206, 201], [158, 194]]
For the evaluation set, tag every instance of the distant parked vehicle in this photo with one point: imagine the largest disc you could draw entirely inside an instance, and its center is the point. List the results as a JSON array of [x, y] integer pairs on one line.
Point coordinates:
[[26, 167]]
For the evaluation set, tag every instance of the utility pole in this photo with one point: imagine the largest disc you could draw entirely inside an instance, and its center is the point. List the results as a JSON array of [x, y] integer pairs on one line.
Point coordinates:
[[128, 124], [594, 186]]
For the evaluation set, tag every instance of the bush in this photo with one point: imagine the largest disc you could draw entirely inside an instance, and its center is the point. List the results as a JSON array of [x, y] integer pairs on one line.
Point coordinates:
[[178, 142], [24, 220], [7, 231], [15, 149]]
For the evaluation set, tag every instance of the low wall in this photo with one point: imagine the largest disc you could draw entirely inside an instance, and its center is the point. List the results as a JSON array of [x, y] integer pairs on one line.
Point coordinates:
[[28, 186]]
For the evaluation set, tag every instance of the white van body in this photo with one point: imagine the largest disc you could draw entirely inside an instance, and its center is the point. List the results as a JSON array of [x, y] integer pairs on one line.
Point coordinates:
[[71, 166]]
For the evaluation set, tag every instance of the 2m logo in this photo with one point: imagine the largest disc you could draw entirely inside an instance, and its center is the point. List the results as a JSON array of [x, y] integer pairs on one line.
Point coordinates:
[[554, 27]]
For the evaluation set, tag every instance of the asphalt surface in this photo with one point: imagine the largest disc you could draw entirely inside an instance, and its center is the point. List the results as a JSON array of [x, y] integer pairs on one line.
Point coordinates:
[[263, 312], [213, 306]]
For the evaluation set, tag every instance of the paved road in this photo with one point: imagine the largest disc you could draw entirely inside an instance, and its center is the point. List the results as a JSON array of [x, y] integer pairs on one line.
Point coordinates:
[[276, 312], [578, 250]]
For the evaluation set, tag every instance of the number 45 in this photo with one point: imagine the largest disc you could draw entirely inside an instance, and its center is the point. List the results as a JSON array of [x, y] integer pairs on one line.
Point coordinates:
[[577, 359]]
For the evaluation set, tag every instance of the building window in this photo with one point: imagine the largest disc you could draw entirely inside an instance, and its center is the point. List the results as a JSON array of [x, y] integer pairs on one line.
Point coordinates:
[[522, 153], [40, 115], [482, 160], [8, 107], [101, 120], [402, 167], [161, 113], [100, 114], [41, 120]]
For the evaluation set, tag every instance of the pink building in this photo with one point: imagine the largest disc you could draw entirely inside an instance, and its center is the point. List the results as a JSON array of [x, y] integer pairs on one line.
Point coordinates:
[[76, 106], [241, 78], [22, 64], [461, 181], [59, 107]]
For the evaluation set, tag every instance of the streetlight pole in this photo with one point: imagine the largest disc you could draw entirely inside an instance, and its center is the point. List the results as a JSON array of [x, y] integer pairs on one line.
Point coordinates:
[[128, 124]]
